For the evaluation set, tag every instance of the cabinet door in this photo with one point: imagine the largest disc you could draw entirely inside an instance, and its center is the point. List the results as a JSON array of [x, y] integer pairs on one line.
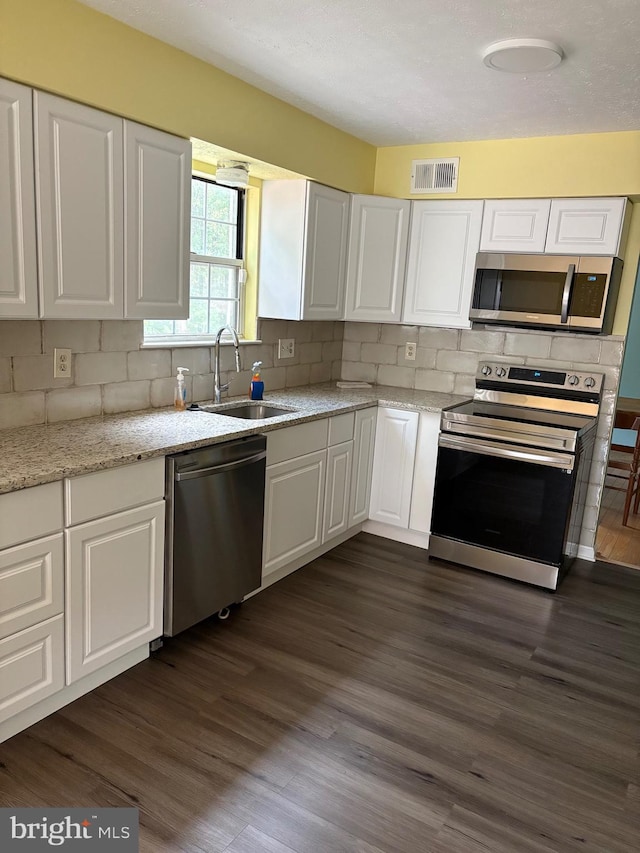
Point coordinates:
[[444, 241], [18, 269], [157, 214], [363, 444], [424, 472], [294, 498], [114, 574], [395, 448], [31, 666], [337, 492], [325, 253], [516, 225], [586, 226], [376, 259], [79, 200]]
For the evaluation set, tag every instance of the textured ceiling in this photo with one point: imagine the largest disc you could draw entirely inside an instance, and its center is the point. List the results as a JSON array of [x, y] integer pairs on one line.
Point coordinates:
[[395, 73]]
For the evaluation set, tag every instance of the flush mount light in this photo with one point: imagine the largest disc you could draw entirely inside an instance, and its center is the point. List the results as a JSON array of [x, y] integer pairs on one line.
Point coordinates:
[[523, 56], [233, 174]]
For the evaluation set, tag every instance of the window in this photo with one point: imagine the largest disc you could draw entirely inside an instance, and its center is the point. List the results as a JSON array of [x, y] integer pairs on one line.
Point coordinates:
[[217, 242]]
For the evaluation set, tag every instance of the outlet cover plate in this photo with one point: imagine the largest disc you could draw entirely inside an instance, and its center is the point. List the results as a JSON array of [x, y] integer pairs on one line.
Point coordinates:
[[286, 347], [61, 363], [410, 351]]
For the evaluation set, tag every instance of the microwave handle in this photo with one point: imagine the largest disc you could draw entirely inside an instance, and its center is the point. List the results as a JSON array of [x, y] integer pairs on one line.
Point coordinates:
[[566, 293]]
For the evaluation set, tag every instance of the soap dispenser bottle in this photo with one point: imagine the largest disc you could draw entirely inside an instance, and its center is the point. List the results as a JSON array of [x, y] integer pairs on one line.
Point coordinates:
[[257, 385], [180, 395]]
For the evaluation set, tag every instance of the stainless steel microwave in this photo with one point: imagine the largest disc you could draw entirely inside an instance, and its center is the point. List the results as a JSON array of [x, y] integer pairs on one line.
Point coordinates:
[[577, 294]]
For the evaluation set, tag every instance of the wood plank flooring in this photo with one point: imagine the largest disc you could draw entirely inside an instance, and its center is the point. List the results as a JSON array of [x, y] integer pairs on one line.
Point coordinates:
[[614, 542], [370, 703]]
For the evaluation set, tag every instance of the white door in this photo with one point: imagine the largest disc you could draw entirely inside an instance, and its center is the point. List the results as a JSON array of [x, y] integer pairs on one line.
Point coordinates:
[[363, 444], [395, 448], [424, 472], [376, 259], [157, 210], [337, 492], [114, 575], [515, 225], [294, 499], [79, 200], [325, 258], [443, 243], [586, 226], [18, 267]]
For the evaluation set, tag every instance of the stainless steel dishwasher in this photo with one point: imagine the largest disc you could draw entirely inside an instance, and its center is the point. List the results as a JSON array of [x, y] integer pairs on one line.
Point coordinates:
[[215, 506]]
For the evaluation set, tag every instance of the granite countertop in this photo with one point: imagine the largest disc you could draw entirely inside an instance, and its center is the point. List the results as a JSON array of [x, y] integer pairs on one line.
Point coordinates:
[[44, 453]]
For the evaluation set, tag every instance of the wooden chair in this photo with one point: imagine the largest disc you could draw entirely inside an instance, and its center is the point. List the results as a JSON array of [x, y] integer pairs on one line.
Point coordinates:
[[623, 466]]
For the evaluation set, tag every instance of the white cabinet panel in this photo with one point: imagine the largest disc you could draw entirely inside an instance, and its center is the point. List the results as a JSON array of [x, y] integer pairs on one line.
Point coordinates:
[[444, 241], [424, 472], [288, 442], [158, 206], [363, 445], [586, 226], [31, 583], [79, 199], [30, 513], [341, 428], [294, 499], [337, 492], [378, 236], [515, 225], [31, 666], [18, 268], [395, 447], [114, 574], [325, 253]]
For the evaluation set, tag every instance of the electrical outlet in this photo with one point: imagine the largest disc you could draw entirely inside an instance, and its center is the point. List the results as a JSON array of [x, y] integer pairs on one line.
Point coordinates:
[[286, 347], [61, 363], [410, 351]]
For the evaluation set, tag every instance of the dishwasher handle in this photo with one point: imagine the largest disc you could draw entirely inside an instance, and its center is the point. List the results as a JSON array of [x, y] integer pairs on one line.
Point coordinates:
[[216, 469]]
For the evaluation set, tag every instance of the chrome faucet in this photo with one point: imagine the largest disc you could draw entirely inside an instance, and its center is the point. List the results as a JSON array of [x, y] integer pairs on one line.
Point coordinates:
[[217, 387]]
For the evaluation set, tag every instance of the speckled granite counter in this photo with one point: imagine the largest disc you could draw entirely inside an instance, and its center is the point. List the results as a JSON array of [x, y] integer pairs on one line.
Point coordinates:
[[33, 455]]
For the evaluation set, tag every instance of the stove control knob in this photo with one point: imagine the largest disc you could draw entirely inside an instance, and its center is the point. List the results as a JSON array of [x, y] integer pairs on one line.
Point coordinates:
[[573, 380], [500, 371], [589, 382], [486, 370]]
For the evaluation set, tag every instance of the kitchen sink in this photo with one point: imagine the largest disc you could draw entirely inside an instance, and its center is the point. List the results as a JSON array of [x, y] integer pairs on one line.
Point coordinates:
[[256, 411]]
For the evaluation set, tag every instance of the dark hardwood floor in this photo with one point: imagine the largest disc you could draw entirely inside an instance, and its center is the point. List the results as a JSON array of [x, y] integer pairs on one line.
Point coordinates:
[[370, 703]]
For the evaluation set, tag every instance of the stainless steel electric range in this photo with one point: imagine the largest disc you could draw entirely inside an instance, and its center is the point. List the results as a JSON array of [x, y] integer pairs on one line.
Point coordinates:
[[512, 473]]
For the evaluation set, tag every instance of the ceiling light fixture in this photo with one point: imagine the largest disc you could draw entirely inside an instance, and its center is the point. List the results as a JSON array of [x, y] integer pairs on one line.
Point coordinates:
[[523, 56], [234, 174]]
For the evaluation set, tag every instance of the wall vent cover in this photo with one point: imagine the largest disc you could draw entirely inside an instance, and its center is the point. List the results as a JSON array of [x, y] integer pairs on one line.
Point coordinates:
[[435, 176]]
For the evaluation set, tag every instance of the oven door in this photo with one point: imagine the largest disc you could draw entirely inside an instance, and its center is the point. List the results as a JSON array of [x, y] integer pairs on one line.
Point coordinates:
[[503, 497]]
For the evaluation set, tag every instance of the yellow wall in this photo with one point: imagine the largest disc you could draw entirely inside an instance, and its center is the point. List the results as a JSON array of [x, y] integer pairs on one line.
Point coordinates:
[[74, 51]]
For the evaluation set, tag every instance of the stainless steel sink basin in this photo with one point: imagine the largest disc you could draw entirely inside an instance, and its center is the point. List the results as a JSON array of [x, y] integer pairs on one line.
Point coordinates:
[[250, 411]]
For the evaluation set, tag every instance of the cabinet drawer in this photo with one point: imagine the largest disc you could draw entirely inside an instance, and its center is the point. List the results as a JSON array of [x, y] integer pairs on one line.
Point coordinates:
[[104, 492], [295, 441], [30, 514], [31, 666], [341, 428], [31, 584]]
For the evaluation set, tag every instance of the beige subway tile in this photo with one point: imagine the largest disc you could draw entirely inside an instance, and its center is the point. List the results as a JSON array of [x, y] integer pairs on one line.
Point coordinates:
[[434, 380], [393, 334], [575, 349], [311, 353], [355, 371], [322, 330], [35, 373], [322, 372], [274, 378], [424, 358], [20, 337], [362, 332], [336, 370], [332, 351], [162, 391], [21, 409], [257, 352], [299, 330], [76, 335], [399, 377], [149, 364], [432, 338], [99, 368], [464, 384], [611, 353], [126, 396], [68, 404], [269, 331], [195, 359], [202, 388], [298, 374], [351, 351], [458, 362], [520, 343], [338, 330], [121, 335], [5, 375], [239, 384], [482, 342], [379, 353]]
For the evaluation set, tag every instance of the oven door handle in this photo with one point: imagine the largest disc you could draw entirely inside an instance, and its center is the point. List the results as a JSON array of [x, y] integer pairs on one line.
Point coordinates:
[[508, 451], [566, 293]]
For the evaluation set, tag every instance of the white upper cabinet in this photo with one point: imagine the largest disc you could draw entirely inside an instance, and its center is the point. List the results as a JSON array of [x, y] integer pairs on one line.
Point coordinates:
[[587, 226], [18, 267], [376, 260], [303, 251], [443, 243], [515, 225], [79, 198], [157, 207]]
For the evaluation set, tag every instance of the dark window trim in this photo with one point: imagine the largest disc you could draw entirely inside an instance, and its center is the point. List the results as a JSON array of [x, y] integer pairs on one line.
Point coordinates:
[[241, 212]]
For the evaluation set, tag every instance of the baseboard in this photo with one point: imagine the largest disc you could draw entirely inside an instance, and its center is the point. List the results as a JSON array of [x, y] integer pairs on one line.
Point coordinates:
[[398, 534], [69, 694], [587, 552]]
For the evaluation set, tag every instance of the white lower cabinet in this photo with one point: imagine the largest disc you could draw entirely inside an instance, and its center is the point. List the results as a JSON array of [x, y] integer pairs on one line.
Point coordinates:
[[362, 470], [114, 587], [395, 449], [336, 506], [424, 472]]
